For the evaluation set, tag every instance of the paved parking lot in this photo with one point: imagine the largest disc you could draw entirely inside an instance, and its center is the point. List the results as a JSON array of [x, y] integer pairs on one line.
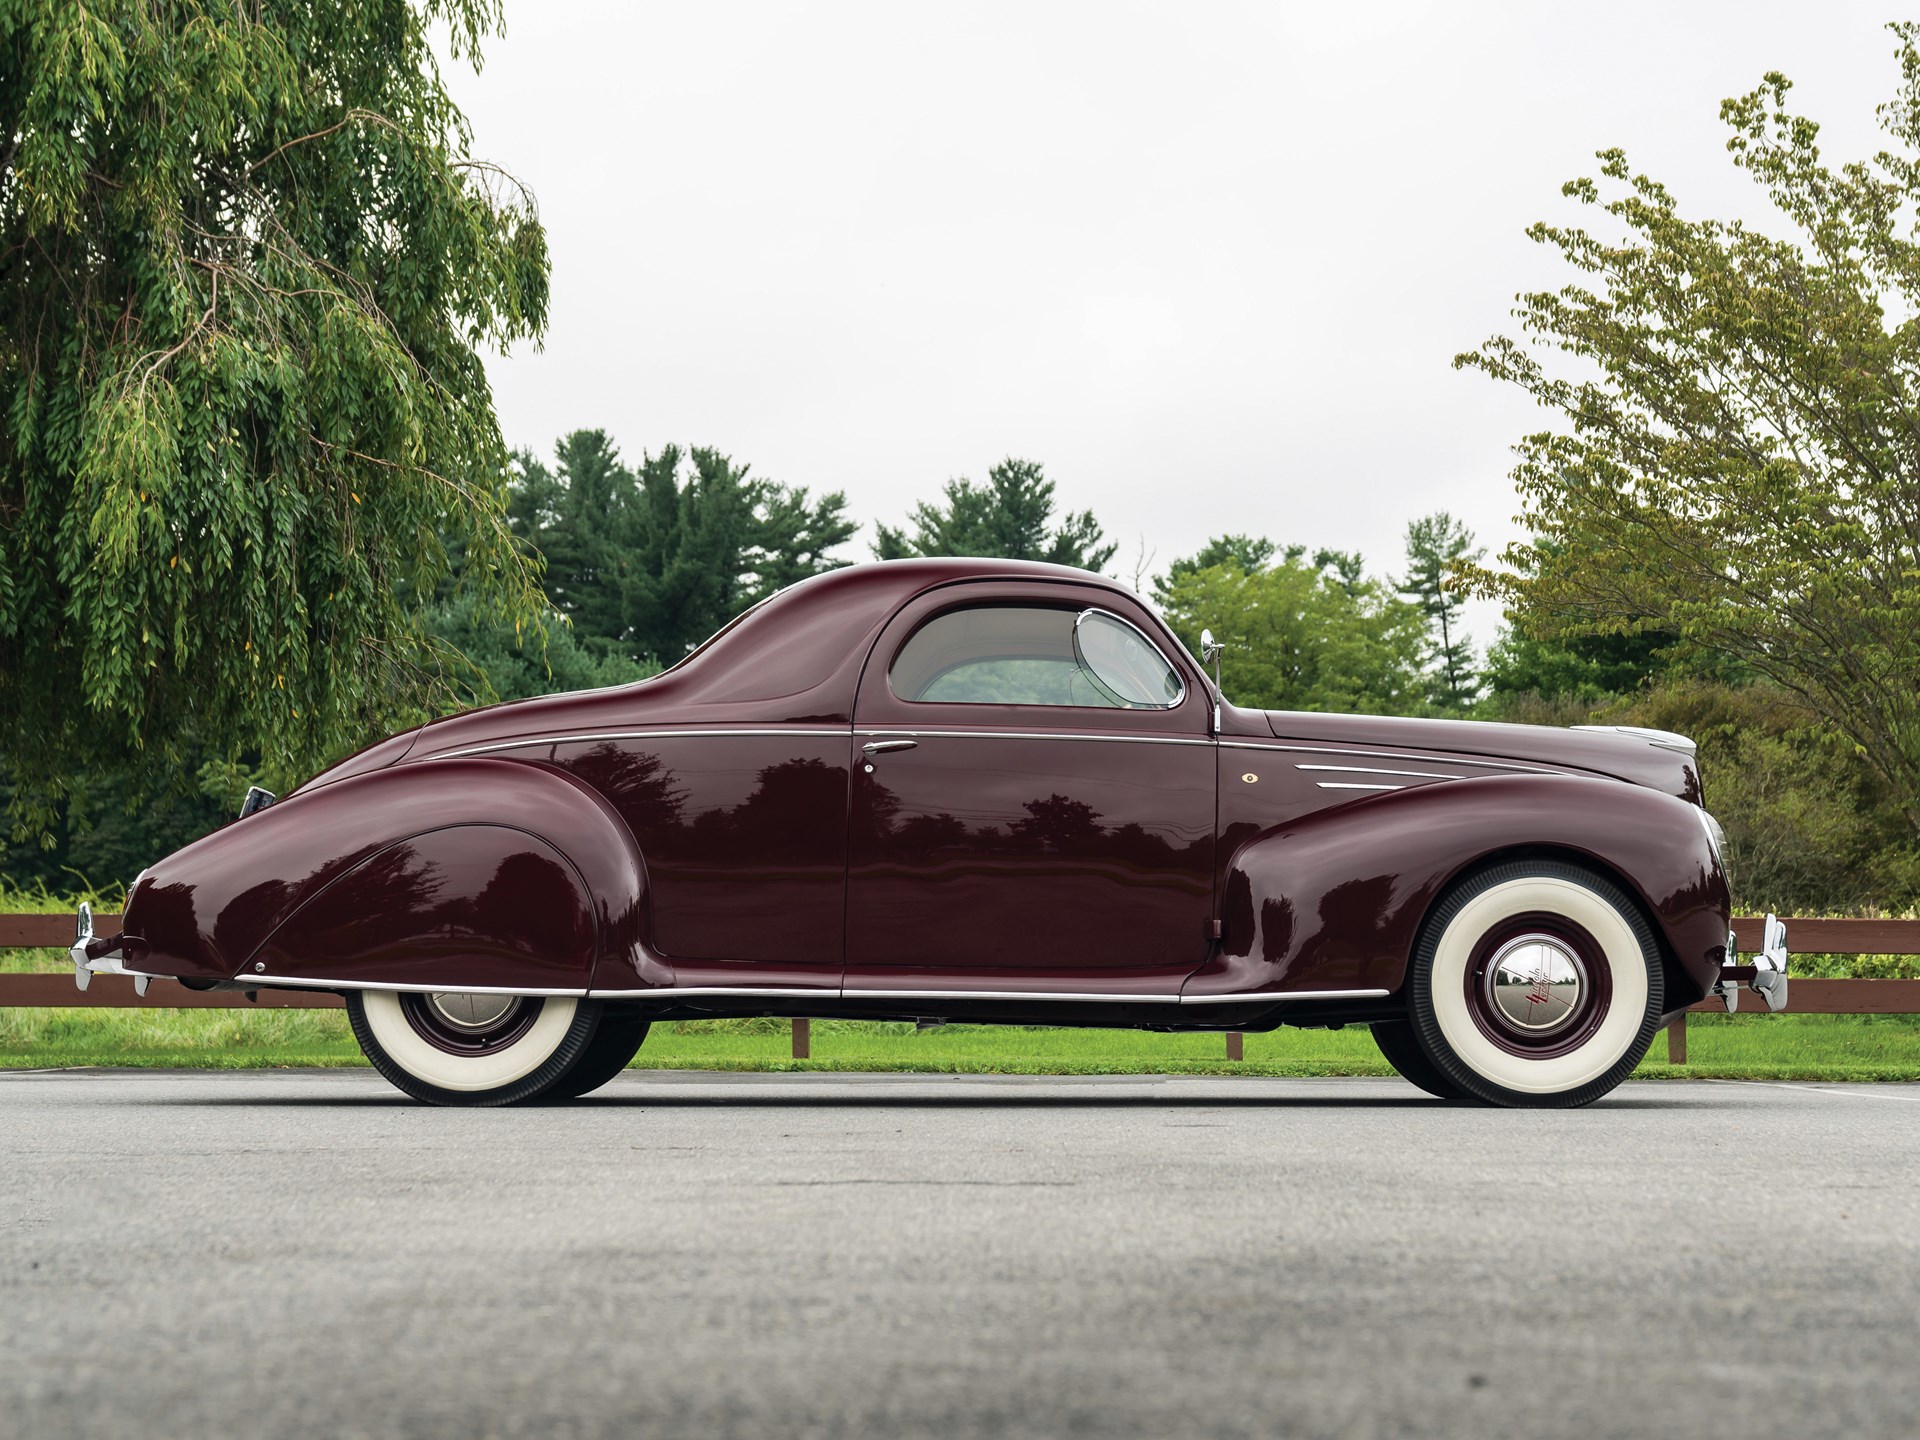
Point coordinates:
[[767, 1256]]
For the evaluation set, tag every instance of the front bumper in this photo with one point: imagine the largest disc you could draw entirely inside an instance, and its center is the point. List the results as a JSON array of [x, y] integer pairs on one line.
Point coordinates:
[[1765, 974], [94, 955]]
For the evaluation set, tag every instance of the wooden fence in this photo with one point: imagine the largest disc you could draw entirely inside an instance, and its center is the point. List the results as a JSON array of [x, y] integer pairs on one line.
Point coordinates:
[[1805, 995]]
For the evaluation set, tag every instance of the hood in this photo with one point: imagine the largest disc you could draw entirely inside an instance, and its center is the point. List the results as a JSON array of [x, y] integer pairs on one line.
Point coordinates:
[[1656, 759]]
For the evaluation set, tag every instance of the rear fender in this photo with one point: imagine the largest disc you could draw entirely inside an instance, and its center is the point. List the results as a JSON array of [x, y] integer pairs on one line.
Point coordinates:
[[1334, 900], [519, 865]]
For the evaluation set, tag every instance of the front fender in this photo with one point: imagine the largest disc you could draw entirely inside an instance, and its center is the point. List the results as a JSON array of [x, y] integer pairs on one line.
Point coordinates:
[[1334, 900], [207, 911]]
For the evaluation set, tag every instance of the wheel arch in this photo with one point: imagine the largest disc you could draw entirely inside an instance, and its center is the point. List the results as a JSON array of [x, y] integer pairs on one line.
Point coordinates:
[[1335, 900], [1677, 978], [231, 905]]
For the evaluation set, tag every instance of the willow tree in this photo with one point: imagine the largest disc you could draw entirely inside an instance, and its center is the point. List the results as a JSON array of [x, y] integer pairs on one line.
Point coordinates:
[[1737, 458], [246, 261]]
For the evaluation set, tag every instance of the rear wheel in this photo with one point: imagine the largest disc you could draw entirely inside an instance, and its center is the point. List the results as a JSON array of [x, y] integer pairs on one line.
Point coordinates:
[[1536, 983], [610, 1051], [1402, 1051], [466, 1048]]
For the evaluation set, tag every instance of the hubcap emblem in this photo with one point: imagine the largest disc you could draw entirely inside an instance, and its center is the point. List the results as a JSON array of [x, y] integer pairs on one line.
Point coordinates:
[[1536, 984]]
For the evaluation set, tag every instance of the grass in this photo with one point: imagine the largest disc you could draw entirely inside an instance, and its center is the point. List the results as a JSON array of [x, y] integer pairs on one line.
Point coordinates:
[[1779, 1047]]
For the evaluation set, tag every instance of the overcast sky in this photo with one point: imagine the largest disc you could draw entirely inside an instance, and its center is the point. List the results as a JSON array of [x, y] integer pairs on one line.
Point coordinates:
[[1209, 263]]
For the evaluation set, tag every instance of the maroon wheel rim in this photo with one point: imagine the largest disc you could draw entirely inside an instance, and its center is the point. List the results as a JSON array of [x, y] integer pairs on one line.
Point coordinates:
[[466, 1024], [1523, 969]]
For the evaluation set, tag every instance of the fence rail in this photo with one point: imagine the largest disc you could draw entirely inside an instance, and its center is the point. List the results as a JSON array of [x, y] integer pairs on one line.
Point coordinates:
[[1806, 995]]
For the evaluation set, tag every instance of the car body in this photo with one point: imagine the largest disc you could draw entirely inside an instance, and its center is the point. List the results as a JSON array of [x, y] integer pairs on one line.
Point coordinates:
[[934, 789]]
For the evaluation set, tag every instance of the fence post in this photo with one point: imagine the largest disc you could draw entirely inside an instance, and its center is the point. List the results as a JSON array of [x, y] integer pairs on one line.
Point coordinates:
[[1236, 1045], [1677, 1040], [802, 1039]]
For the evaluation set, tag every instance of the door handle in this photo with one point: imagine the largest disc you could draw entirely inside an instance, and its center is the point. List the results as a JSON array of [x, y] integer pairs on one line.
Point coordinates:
[[880, 747]]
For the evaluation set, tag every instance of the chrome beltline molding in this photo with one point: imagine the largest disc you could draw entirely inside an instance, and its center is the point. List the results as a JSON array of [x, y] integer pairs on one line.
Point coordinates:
[[908, 733], [770, 992], [531, 740]]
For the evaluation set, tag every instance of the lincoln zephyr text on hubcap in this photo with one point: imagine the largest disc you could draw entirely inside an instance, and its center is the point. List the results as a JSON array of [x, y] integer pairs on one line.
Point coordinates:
[[1536, 983]]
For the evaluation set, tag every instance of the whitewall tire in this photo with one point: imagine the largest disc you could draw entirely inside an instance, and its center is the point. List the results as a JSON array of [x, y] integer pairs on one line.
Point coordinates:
[[472, 1048], [1536, 983]]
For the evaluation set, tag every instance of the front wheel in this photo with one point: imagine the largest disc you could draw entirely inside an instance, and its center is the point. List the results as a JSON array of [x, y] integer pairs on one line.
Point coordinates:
[[469, 1048], [1536, 983]]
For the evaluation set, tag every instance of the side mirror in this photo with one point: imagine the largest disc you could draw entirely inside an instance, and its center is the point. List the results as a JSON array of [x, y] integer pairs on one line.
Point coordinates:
[[1210, 649]]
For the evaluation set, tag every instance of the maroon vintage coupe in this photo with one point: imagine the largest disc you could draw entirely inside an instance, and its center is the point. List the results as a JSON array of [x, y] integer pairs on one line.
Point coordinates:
[[971, 790]]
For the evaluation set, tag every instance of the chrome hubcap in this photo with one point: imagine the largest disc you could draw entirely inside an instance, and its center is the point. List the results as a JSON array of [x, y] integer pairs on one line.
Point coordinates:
[[469, 1013], [1536, 984]]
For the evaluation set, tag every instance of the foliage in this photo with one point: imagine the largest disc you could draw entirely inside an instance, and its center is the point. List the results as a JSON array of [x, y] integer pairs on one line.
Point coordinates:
[[542, 658], [1739, 463], [647, 564], [1438, 548], [1006, 518], [1301, 636], [1810, 825], [1586, 668], [1245, 553], [245, 260]]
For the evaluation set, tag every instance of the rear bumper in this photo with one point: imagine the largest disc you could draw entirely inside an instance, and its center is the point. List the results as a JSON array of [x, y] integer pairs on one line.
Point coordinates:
[[1764, 973]]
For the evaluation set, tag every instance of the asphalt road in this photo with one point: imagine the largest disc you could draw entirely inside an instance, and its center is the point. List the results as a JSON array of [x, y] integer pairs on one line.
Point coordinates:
[[767, 1256]]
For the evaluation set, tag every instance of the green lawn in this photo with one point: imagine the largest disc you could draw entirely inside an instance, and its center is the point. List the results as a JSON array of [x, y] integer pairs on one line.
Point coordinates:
[[1800, 1047]]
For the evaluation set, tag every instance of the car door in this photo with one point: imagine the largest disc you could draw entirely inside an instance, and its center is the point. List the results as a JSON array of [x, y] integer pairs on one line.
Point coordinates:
[[1033, 796]]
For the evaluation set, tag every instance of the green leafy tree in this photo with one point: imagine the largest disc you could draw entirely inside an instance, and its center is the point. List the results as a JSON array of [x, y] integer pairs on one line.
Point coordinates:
[[1007, 518], [578, 516], [1301, 635], [541, 658], [647, 563], [1439, 547], [1246, 553], [1739, 455], [711, 541], [245, 262]]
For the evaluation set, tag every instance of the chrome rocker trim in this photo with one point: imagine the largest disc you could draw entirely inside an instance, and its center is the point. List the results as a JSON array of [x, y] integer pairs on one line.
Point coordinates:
[[769, 992]]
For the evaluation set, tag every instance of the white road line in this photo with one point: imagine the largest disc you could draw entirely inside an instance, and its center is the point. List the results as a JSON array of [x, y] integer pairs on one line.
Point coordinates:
[[1865, 1089]]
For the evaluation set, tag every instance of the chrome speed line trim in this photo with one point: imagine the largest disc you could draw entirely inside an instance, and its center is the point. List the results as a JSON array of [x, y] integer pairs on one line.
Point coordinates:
[[913, 732], [1388, 755], [245, 981], [521, 744], [1342, 785], [1375, 770]]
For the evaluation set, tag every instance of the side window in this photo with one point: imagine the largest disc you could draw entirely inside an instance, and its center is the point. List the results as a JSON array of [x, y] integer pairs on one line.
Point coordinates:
[[1029, 655]]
